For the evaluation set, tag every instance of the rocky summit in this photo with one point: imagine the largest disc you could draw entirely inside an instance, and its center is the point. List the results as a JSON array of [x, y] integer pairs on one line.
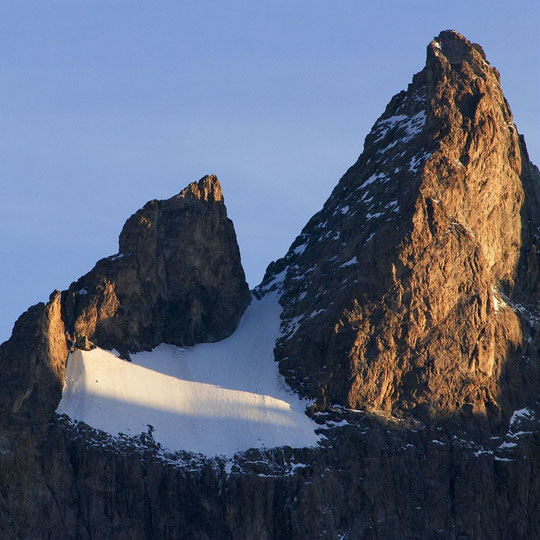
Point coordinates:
[[407, 318], [177, 278], [415, 288]]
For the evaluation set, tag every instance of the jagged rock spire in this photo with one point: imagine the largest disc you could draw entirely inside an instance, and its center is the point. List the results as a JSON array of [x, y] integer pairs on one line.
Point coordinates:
[[397, 293], [176, 279]]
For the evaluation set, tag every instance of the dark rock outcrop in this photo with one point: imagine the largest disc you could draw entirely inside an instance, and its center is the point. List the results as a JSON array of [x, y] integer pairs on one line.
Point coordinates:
[[374, 477], [33, 364], [176, 279]]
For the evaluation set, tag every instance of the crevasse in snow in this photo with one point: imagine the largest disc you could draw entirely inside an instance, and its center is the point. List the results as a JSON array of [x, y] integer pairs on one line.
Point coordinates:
[[213, 398]]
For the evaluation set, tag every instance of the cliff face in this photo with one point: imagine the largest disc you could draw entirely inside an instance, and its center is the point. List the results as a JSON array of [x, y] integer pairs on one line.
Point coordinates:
[[33, 363], [373, 477], [176, 279], [410, 301], [402, 293]]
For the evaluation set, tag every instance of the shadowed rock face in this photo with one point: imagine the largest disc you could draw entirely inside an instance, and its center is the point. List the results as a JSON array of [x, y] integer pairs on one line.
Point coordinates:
[[177, 279], [415, 288]]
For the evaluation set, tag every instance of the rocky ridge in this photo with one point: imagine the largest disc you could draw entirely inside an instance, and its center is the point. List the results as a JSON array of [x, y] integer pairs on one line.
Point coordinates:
[[177, 278], [410, 313]]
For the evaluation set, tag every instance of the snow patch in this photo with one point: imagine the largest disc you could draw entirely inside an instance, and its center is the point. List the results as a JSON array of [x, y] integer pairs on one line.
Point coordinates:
[[213, 398], [372, 179], [393, 206], [290, 328], [274, 283], [506, 445], [364, 197], [408, 127], [416, 160], [369, 238], [498, 302], [483, 452], [384, 126], [334, 424], [521, 413], [350, 262], [117, 256], [315, 313]]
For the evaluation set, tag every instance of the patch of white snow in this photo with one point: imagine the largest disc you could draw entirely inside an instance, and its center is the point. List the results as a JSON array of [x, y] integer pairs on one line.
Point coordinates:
[[372, 179], [521, 413], [506, 444], [350, 262], [117, 256], [213, 398]]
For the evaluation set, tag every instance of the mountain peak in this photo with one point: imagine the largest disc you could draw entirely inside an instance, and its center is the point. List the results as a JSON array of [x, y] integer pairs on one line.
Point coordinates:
[[455, 47], [177, 278], [409, 310], [405, 267], [208, 188]]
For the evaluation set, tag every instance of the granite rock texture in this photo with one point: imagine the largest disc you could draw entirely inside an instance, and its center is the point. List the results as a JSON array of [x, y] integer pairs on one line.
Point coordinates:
[[176, 279], [415, 288]]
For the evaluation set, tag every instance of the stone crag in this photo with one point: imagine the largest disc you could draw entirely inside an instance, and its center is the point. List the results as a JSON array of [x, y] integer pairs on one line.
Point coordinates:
[[373, 477], [411, 307], [403, 292], [176, 279]]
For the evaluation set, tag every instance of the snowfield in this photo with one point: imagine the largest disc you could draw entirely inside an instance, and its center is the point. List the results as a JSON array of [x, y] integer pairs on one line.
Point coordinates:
[[213, 398]]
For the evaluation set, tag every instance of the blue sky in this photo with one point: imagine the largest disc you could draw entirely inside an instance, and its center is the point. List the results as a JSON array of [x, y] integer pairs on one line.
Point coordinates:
[[108, 104]]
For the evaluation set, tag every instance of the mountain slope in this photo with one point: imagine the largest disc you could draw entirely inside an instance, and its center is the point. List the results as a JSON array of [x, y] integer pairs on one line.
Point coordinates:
[[414, 289], [215, 399], [409, 313]]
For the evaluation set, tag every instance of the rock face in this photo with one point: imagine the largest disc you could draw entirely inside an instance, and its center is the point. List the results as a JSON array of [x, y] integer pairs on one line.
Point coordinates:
[[33, 364], [176, 279], [415, 288], [411, 306]]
